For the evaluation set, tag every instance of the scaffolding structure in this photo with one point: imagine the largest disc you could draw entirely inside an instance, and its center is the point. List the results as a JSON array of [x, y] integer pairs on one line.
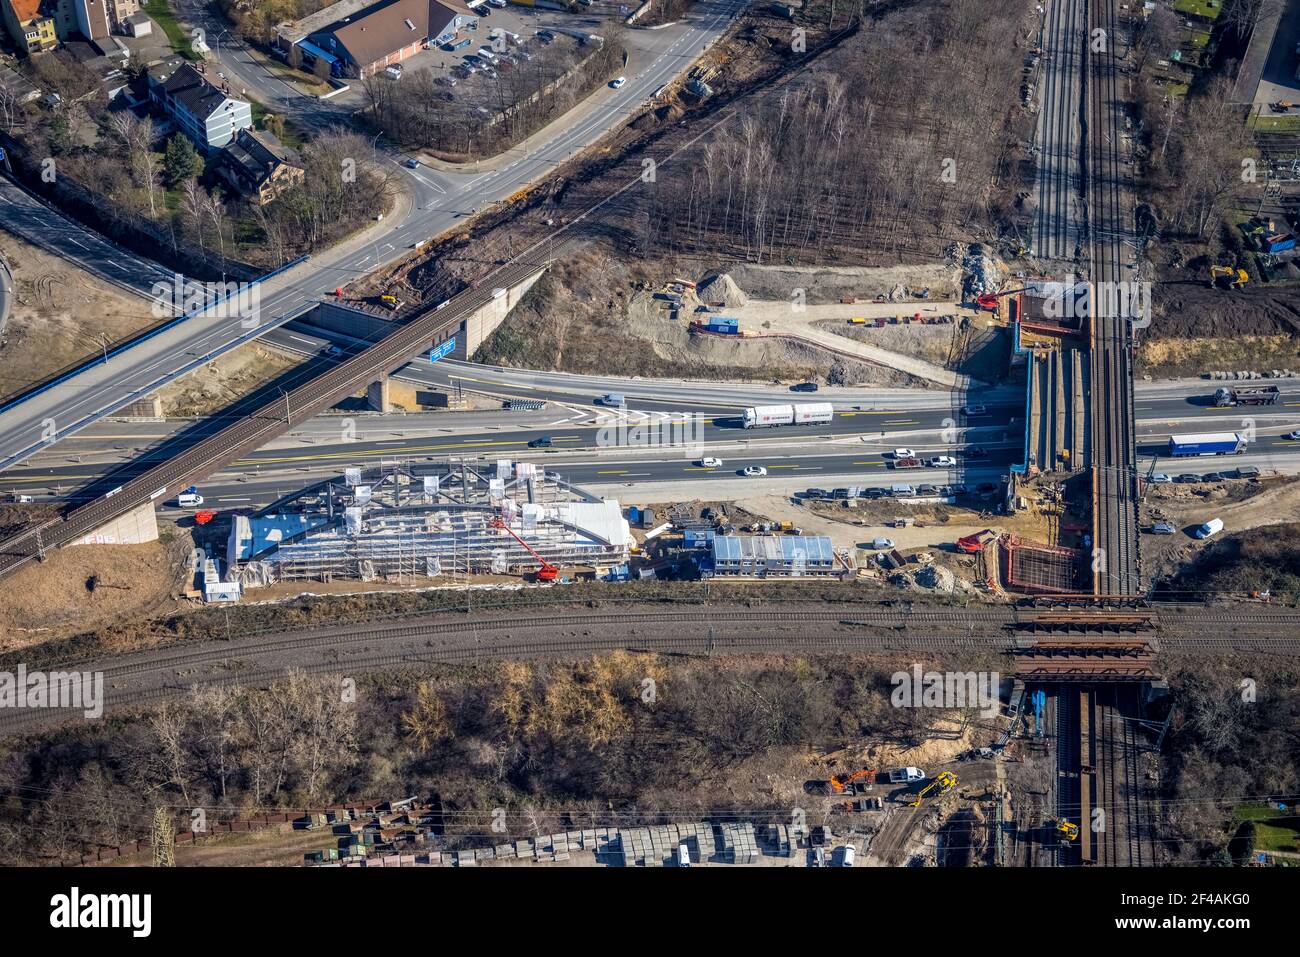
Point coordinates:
[[1041, 569], [397, 523]]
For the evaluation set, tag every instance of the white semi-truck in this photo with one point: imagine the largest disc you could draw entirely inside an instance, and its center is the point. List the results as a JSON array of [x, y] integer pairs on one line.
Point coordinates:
[[769, 416]]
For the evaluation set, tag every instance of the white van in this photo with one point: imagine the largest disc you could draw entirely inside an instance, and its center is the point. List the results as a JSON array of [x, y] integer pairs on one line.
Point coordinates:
[[848, 852], [1212, 527], [683, 856], [906, 775], [190, 498]]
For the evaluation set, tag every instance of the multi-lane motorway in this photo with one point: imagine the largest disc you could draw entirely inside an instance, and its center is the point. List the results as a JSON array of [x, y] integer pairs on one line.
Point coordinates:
[[589, 448], [435, 201]]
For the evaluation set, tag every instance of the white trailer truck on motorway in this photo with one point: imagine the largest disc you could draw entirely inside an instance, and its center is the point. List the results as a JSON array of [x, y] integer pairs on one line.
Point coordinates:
[[769, 416]]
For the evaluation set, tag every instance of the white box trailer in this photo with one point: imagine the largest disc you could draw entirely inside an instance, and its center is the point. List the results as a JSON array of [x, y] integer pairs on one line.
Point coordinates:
[[769, 416]]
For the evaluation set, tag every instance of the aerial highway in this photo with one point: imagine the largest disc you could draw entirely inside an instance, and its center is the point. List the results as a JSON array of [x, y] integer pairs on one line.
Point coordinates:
[[438, 200]]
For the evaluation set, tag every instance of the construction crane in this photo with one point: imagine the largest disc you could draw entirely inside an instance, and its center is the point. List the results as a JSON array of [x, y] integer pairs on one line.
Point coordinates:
[[548, 572], [942, 784], [1228, 277], [842, 783]]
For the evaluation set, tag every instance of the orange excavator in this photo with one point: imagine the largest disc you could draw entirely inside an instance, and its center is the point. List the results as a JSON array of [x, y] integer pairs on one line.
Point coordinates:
[[548, 572], [847, 783]]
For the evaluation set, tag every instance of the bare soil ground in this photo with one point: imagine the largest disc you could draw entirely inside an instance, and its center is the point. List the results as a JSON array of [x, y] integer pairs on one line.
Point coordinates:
[[91, 586], [1242, 505], [59, 314], [217, 384], [1197, 329]]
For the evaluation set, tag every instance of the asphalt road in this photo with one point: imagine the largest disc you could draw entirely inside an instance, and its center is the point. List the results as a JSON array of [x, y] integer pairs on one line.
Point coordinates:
[[852, 449], [439, 200]]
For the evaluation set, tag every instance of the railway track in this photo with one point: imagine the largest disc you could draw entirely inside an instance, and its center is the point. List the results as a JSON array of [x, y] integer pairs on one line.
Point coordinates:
[[1116, 566], [143, 677], [260, 426], [1056, 233]]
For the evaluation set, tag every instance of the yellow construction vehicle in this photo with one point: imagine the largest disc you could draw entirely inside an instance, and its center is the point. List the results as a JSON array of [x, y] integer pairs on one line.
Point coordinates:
[[942, 784], [1228, 277], [1068, 830]]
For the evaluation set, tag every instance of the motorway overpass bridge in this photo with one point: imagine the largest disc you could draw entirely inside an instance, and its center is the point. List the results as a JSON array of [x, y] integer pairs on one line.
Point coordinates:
[[130, 501]]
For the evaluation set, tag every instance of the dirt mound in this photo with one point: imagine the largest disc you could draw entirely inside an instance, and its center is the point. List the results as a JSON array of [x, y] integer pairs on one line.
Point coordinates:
[[722, 288], [1190, 310]]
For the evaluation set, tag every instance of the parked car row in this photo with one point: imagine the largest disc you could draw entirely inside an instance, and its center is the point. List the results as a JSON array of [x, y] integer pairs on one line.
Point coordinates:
[[895, 491], [1191, 478]]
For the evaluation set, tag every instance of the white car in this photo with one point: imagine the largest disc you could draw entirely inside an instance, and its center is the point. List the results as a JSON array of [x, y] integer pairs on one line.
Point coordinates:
[[903, 453], [618, 83], [754, 471], [1294, 436], [943, 462], [709, 462]]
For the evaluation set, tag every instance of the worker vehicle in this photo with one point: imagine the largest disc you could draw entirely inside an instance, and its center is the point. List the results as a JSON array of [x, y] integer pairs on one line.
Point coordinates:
[[1187, 478], [847, 855], [906, 462], [1230, 396], [1159, 478], [804, 387], [19, 498], [858, 321], [753, 471], [882, 544], [709, 462], [1210, 528], [906, 775], [547, 572], [942, 784], [1067, 830], [1228, 277], [770, 416], [1247, 472], [189, 498], [942, 462], [1163, 528], [683, 856], [1213, 477], [390, 301], [1207, 443], [612, 399]]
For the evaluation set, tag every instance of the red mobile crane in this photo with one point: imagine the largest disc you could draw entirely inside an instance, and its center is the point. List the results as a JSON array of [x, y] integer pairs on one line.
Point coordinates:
[[548, 572]]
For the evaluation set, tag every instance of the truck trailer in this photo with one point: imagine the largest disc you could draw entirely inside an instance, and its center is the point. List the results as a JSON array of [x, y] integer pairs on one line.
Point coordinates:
[[1228, 396], [770, 416], [1206, 443]]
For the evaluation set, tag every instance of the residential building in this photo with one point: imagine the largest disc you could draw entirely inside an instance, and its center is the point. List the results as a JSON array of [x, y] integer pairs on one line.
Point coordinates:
[[360, 39], [259, 166], [208, 115], [32, 28], [96, 19]]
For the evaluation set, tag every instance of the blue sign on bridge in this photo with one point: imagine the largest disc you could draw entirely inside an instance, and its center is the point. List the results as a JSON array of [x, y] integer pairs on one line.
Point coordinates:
[[442, 349]]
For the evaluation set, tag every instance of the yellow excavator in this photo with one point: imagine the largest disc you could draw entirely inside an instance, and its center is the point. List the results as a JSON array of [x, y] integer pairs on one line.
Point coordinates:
[[1067, 830], [1228, 277], [942, 784]]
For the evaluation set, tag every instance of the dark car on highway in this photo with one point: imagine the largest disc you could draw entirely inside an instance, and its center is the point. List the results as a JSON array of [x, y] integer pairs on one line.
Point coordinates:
[[874, 492], [975, 452], [804, 387], [816, 493], [1213, 477], [1187, 478], [542, 442]]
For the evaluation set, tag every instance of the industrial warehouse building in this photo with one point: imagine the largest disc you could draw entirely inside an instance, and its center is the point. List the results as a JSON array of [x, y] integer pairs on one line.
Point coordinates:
[[761, 556], [359, 38]]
